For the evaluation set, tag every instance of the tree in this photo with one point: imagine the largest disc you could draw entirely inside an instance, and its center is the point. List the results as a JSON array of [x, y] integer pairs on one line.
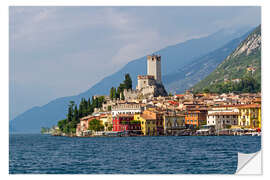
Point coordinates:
[[76, 115], [206, 90], [96, 125], [45, 130], [70, 111], [106, 125], [122, 96], [110, 127], [111, 93], [80, 113], [61, 124], [118, 93], [114, 93], [127, 82], [88, 103], [109, 108]]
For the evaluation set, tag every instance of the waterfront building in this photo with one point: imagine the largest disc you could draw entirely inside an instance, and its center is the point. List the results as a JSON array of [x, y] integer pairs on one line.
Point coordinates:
[[250, 116], [106, 120], [147, 123], [195, 117], [158, 116], [173, 123], [83, 125], [126, 123], [222, 119], [126, 108]]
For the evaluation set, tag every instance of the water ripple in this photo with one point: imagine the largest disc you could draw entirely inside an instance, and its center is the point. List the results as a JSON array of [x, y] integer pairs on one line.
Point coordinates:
[[45, 154]]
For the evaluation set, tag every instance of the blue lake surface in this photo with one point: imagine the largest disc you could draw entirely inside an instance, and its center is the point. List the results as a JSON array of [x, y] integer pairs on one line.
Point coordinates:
[[45, 154]]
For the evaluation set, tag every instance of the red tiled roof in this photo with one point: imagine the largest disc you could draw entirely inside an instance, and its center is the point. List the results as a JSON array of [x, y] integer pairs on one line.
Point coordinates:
[[174, 103], [180, 95]]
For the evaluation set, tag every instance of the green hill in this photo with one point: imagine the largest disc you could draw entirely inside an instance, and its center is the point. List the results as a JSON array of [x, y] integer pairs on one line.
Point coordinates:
[[239, 72]]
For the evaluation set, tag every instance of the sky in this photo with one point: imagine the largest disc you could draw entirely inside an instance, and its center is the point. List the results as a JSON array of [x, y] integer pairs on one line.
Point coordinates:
[[63, 51]]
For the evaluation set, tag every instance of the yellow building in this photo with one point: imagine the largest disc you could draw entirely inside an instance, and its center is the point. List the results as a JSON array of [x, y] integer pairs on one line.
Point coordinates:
[[250, 116], [148, 124], [106, 120], [173, 122]]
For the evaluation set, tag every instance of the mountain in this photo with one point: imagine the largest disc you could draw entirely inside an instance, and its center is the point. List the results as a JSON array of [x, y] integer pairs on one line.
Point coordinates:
[[244, 60], [173, 58], [199, 68]]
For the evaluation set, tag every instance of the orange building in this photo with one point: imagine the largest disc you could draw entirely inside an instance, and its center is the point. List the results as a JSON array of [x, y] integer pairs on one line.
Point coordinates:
[[196, 117]]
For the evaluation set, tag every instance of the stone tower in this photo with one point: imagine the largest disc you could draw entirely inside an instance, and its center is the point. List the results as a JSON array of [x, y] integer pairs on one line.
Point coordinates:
[[154, 67]]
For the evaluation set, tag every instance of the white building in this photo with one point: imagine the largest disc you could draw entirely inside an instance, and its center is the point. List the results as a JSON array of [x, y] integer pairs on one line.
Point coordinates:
[[222, 119], [126, 108]]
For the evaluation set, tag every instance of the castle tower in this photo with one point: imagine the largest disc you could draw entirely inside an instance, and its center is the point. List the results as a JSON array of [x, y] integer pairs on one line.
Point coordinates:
[[154, 67]]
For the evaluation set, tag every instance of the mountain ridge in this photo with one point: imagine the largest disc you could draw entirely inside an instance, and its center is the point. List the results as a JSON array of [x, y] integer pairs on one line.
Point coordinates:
[[203, 66], [244, 61], [56, 109]]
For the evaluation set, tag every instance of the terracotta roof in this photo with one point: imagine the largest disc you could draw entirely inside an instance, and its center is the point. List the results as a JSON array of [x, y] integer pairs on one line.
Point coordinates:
[[147, 117], [250, 106], [86, 117], [180, 95], [104, 115], [233, 105]]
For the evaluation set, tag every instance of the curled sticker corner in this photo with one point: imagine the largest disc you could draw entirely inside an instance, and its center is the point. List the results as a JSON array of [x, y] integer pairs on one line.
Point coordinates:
[[249, 164]]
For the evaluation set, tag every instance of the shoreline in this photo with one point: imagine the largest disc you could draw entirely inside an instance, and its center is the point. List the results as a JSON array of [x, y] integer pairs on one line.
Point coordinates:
[[102, 136]]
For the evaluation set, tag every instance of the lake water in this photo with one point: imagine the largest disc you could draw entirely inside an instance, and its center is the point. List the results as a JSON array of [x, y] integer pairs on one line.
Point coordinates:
[[45, 154]]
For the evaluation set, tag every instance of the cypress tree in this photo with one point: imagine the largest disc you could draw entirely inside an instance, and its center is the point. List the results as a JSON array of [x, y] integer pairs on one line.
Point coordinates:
[[122, 96], [118, 93], [114, 93], [127, 82], [76, 115], [88, 103], [111, 93], [70, 111], [80, 110]]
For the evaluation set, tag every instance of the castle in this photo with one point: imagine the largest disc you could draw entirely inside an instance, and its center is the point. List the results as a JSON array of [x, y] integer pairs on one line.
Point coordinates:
[[149, 85]]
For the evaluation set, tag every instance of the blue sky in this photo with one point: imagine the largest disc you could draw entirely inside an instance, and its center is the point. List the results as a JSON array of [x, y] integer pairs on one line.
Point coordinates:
[[62, 51]]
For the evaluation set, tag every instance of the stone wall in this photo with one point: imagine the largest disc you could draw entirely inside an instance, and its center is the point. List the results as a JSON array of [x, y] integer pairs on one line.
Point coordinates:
[[130, 94]]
